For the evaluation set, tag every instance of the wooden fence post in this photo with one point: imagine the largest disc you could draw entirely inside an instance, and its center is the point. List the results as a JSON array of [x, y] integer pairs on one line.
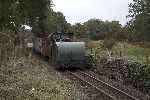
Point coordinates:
[[0, 56], [120, 54], [147, 60]]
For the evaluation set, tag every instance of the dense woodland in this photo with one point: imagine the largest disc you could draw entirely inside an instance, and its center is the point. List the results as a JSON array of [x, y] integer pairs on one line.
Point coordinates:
[[39, 15]]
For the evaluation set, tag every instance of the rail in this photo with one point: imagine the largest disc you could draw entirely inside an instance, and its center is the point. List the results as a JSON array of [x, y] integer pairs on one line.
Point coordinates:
[[108, 91]]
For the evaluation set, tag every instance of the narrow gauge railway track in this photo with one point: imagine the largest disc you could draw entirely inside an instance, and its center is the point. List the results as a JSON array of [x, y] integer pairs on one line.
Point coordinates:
[[107, 91]]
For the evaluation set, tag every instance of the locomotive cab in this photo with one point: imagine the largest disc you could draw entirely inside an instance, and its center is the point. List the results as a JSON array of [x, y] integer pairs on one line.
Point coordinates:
[[63, 37]]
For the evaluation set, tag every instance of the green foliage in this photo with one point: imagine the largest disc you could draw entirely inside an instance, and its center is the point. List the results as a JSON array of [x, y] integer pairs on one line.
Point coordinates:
[[132, 52], [37, 14], [138, 75], [79, 30], [135, 72], [57, 22], [10, 14], [97, 29], [14, 13], [140, 23], [109, 43]]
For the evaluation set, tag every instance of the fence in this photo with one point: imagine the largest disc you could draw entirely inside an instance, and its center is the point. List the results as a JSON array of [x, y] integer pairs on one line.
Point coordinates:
[[9, 52], [99, 53]]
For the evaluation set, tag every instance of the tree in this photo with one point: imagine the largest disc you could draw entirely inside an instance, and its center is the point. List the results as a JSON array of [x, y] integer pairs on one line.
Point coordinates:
[[57, 22], [37, 14], [116, 31], [14, 13], [95, 28], [10, 14], [79, 30], [99, 29], [139, 12]]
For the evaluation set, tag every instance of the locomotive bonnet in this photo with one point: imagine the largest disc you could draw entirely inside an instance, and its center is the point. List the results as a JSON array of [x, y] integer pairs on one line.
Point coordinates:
[[70, 54], [61, 50]]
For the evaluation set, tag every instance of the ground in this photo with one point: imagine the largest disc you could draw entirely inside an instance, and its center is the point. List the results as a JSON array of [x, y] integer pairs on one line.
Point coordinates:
[[139, 53], [129, 64], [31, 79]]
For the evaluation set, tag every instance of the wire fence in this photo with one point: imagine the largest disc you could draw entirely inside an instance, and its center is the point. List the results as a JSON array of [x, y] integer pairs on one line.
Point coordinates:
[[9, 52], [99, 54]]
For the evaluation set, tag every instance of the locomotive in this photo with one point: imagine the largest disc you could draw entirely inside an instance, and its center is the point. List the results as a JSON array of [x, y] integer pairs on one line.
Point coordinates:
[[61, 49]]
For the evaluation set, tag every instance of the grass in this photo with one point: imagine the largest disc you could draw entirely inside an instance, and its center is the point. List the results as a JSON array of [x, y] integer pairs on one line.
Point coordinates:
[[132, 52], [31, 79], [133, 73]]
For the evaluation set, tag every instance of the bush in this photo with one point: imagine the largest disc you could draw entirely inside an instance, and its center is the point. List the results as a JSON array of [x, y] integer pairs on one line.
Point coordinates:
[[109, 43]]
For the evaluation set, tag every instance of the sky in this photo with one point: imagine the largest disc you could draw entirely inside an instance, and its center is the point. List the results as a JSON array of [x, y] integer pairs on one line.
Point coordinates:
[[83, 10]]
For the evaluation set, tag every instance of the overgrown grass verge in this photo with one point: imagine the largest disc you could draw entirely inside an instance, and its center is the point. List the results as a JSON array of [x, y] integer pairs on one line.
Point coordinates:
[[132, 52], [31, 79], [128, 64]]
